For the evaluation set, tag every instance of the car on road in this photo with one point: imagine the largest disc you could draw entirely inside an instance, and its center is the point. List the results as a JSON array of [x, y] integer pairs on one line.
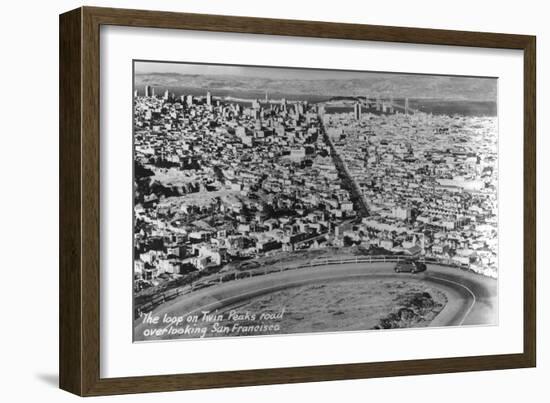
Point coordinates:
[[410, 266]]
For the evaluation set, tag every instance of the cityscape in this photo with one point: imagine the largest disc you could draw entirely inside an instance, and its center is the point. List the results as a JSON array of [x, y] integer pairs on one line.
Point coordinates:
[[234, 188]]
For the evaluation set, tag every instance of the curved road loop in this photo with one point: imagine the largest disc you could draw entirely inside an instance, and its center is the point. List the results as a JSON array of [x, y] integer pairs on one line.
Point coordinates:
[[471, 298]]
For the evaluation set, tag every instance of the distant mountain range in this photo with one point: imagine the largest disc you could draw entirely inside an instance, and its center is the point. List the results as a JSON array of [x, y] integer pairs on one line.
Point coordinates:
[[398, 86]]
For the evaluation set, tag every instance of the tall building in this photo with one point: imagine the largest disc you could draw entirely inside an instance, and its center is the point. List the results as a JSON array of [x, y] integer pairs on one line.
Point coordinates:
[[166, 95], [321, 111], [357, 111], [296, 112], [208, 98], [237, 109], [149, 91], [189, 100]]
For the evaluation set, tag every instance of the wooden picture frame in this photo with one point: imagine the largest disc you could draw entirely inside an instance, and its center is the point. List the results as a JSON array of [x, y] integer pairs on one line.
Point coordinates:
[[79, 279]]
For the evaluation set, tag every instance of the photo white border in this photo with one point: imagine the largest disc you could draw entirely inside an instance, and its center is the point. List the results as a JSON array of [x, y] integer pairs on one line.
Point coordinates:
[[120, 357]]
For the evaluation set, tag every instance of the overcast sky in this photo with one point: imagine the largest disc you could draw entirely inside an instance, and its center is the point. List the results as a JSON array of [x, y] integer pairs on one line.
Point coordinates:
[[264, 72]]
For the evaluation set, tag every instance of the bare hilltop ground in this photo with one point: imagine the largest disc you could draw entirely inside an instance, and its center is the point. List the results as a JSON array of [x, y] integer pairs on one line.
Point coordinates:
[[347, 305]]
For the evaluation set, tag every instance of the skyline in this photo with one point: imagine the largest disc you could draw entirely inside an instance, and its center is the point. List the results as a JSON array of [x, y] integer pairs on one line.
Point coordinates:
[[314, 81]]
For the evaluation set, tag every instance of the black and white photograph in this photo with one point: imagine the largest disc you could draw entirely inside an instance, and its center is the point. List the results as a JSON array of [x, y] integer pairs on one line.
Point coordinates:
[[263, 202], [273, 201]]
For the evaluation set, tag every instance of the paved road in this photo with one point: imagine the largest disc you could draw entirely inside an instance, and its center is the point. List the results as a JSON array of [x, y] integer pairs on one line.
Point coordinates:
[[479, 296], [472, 299]]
